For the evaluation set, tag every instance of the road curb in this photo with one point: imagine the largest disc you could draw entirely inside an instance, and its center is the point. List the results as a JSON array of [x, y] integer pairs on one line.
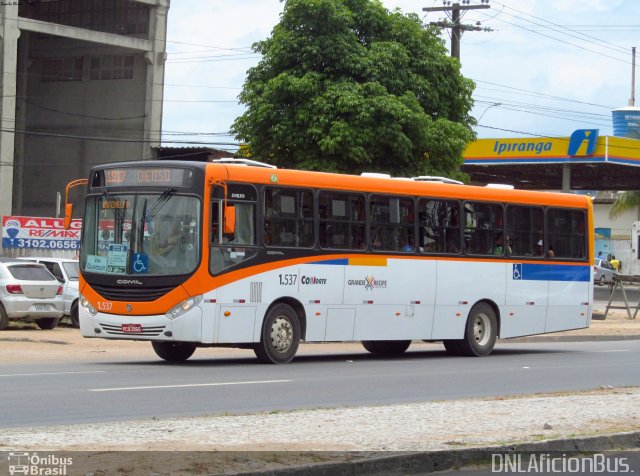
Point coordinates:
[[432, 461], [550, 338]]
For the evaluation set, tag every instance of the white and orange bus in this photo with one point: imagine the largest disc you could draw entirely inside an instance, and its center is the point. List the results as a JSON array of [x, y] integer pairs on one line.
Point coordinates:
[[238, 254]]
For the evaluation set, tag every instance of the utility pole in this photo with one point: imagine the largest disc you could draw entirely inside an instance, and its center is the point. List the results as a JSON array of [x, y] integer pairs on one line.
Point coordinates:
[[455, 13], [632, 101]]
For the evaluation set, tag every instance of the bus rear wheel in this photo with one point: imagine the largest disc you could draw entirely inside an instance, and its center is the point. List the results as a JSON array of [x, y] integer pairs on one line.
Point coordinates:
[[480, 332], [386, 347], [280, 336], [174, 351]]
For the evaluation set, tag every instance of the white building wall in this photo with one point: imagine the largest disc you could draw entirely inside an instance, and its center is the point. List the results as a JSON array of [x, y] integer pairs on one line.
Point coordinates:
[[621, 244]]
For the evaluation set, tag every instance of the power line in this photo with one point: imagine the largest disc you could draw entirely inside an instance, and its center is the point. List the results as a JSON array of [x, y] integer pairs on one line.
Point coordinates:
[[107, 139], [534, 93], [558, 39], [616, 47]]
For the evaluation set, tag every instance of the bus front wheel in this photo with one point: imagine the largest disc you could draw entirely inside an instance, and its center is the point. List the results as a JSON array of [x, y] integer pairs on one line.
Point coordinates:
[[4, 319], [480, 332], [48, 322], [75, 319], [386, 347], [174, 351], [280, 336]]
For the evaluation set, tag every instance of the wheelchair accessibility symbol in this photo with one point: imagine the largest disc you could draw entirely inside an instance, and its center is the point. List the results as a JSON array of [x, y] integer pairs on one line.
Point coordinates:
[[139, 263], [517, 271]]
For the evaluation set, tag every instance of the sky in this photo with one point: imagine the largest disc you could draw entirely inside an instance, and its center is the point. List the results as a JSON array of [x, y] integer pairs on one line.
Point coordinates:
[[541, 67]]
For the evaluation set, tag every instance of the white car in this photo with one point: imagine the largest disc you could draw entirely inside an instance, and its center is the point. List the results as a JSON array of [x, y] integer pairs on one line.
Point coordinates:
[[29, 292], [603, 272], [66, 272]]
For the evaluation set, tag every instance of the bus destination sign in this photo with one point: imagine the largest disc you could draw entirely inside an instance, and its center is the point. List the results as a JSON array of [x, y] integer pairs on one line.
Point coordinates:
[[147, 176]]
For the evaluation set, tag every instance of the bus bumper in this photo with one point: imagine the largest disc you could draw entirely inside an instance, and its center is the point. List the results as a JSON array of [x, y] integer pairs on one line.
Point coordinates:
[[186, 328]]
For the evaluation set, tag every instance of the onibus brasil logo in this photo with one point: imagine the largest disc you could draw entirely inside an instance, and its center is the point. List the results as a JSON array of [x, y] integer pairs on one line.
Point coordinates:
[[35, 464]]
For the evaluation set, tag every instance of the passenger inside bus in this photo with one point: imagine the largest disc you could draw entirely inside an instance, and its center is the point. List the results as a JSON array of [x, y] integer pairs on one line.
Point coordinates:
[[376, 241], [407, 245], [500, 247], [453, 243], [168, 244]]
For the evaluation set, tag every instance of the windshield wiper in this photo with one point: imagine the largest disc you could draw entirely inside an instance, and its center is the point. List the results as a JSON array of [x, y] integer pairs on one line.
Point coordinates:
[[159, 203]]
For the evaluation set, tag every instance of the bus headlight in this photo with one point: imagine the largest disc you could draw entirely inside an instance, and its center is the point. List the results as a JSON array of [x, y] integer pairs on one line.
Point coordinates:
[[86, 305], [183, 307]]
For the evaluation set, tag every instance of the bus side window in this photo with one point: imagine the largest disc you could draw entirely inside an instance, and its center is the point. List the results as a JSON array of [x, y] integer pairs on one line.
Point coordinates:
[[215, 218], [341, 220], [439, 226], [230, 249], [392, 223], [484, 223], [525, 229], [288, 217], [565, 230]]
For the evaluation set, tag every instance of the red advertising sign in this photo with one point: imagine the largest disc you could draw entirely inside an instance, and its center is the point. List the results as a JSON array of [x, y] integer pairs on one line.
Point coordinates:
[[40, 232]]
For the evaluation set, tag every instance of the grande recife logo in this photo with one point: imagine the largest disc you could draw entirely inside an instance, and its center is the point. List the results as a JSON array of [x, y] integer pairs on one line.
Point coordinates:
[[369, 283], [40, 232]]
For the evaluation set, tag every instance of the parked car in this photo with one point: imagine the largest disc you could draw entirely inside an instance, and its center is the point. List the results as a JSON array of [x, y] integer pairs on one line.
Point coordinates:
[[28, 291], [603, 272], [66, 272]]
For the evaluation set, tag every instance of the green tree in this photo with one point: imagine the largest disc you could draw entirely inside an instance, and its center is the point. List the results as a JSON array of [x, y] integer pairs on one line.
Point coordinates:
[[625, 201], [348, 86]]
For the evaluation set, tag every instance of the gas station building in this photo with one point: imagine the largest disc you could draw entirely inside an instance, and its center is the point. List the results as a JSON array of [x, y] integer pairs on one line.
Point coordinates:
[[585, 162]]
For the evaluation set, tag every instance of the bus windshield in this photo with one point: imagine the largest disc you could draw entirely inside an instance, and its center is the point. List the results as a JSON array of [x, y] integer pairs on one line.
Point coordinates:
[[132, 234]]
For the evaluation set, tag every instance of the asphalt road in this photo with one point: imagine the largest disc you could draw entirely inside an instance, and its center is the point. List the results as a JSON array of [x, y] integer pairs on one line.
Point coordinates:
[[601, 295], [86, 392]]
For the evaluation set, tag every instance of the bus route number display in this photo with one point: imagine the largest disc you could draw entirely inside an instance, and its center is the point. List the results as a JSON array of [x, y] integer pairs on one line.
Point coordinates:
[[149, 176]]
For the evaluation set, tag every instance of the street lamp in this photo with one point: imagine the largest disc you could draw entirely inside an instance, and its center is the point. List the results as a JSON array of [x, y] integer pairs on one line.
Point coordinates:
[[486, 109]]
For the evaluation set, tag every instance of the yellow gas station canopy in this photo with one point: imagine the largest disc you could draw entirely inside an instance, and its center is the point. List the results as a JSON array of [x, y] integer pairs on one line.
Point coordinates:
[[595, 162]]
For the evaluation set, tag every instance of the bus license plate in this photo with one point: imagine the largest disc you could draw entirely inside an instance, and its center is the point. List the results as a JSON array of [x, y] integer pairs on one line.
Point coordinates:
[[132, 328], [42, 307]]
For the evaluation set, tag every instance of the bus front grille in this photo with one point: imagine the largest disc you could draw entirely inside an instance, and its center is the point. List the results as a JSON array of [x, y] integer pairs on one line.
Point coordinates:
[[148, 331], [132, 294]]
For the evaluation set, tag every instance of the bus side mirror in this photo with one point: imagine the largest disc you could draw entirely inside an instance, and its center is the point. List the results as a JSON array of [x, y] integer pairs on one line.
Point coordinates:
[[229, 220], [68, 206], [68, 214]]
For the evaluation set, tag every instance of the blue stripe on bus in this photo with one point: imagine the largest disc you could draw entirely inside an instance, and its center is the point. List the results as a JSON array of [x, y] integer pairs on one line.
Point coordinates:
[[340, 261], [551, 272]]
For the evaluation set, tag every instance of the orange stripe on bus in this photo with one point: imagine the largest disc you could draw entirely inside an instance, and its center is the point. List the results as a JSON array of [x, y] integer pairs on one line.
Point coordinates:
[[368, 261]]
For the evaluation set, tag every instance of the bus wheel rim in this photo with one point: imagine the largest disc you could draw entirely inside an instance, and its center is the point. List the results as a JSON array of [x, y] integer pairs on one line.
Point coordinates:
[[281, 334], [481, 329]]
